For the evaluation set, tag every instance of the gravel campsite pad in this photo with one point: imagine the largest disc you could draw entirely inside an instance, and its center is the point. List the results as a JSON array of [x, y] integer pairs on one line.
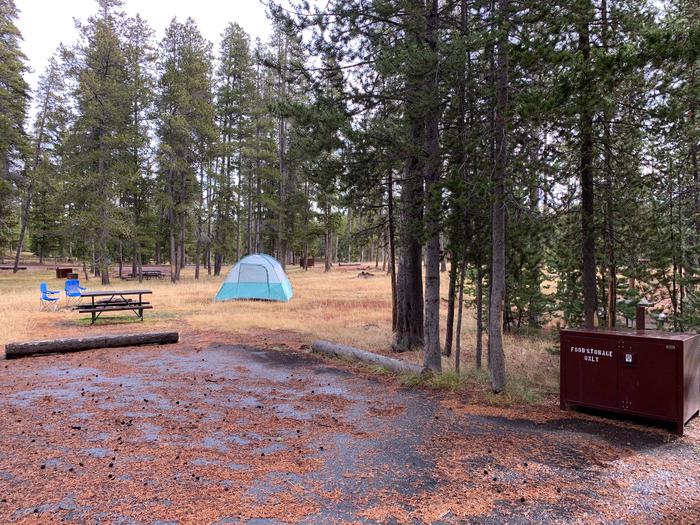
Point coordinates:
[[216, 432]]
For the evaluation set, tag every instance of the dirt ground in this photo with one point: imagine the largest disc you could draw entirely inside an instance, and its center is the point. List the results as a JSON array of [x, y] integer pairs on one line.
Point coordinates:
[[253, 429], [336, 306]]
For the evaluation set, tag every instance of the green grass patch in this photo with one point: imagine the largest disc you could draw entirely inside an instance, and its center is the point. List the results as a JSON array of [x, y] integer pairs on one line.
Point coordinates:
[[112, 319], [517, 392], [554, 350], [448, 380]]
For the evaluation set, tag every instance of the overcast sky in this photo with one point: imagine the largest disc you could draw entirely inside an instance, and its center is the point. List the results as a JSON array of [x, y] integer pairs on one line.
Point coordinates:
[[47, 23]]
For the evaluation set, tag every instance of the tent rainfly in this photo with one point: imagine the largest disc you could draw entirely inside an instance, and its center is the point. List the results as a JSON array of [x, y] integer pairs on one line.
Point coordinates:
[[256, 276]]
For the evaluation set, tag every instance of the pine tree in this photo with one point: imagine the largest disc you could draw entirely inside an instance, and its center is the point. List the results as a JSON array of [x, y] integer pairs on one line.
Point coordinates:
[[185, 128], [234, 105], [138, 191], [96, 159], [14, 99], [47, 136]]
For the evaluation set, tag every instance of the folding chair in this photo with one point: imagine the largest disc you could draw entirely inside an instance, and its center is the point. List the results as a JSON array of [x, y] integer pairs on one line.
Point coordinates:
[[73, 290], [48, 301]]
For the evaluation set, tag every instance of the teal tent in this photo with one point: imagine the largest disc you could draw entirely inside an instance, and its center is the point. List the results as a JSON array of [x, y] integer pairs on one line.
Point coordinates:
[[256, 276]]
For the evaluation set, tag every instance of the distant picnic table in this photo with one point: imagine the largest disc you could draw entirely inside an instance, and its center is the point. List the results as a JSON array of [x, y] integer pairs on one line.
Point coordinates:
[[114, 301], [146, 274], [150, 274]]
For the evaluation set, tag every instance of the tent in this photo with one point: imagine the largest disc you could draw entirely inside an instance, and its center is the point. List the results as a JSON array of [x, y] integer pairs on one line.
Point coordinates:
[[256, 276]]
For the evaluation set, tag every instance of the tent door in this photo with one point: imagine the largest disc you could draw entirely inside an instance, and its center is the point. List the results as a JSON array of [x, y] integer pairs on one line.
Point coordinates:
[[254, 274]]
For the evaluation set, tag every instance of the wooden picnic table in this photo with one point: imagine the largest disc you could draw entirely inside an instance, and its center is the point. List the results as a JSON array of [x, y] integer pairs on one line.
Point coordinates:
[[149, 274], [146, 274], [114, 301]]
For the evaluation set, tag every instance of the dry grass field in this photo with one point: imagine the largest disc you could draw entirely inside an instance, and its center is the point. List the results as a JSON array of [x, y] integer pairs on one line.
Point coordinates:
[[338, 306]]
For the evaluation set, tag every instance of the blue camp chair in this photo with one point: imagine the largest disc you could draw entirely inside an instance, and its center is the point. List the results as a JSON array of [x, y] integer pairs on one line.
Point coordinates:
[[73, 290], [48, 300]]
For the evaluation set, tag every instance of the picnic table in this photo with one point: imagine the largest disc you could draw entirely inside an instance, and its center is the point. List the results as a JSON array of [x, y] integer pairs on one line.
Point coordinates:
[[114, 301], [147, 274]]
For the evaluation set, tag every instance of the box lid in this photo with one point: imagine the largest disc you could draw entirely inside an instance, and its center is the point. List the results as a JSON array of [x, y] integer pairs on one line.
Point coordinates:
[[641, 334]]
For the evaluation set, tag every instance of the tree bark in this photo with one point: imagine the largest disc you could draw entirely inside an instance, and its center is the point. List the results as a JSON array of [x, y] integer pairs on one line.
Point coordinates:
[[392, 247], [609, 200], [395, 365], [24, 221], [449, 324], [200, 223], [498, 242], [586, 173], [409, 279], [103, 227], [17, 350], [458, 338], [171, 232], [328, 246], [479, 314], [431, 174]]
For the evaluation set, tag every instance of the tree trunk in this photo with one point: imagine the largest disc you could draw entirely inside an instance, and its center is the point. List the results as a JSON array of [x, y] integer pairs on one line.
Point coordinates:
[[173, 247], [218, 263], [17, 350], [451, 291], [399, 366], [349, 232], [443, 255], [458, 340], [392, 247], [433, 201], [586, 114], [26, 204], [409, 279], [498, 242], [328, 246], [609, 200], [103, 229], [121, 259], [200, 224], [181, 244], [479, 314]]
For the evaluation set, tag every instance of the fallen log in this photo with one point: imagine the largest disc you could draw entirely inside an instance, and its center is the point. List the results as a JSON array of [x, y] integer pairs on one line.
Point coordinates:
[[395, 365], [52, 346]]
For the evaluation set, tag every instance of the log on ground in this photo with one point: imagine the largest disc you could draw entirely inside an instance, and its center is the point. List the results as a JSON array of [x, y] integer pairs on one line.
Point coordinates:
[[52, 346], [395, 365]]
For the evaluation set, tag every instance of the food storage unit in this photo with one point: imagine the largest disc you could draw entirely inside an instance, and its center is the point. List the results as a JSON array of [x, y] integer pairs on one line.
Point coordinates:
[[644, 373]]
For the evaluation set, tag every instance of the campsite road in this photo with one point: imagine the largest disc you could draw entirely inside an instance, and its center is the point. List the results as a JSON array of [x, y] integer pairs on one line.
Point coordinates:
[[217, 433]]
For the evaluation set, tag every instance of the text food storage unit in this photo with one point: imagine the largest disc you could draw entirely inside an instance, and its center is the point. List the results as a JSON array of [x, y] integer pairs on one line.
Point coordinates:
[[643, 373]]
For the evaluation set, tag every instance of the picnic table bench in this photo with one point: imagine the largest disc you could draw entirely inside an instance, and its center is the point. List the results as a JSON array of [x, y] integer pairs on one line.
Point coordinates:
[[114, 301], [147, 274]]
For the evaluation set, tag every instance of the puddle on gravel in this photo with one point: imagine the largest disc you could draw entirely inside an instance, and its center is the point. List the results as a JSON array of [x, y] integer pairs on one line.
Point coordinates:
[[98, 452]]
